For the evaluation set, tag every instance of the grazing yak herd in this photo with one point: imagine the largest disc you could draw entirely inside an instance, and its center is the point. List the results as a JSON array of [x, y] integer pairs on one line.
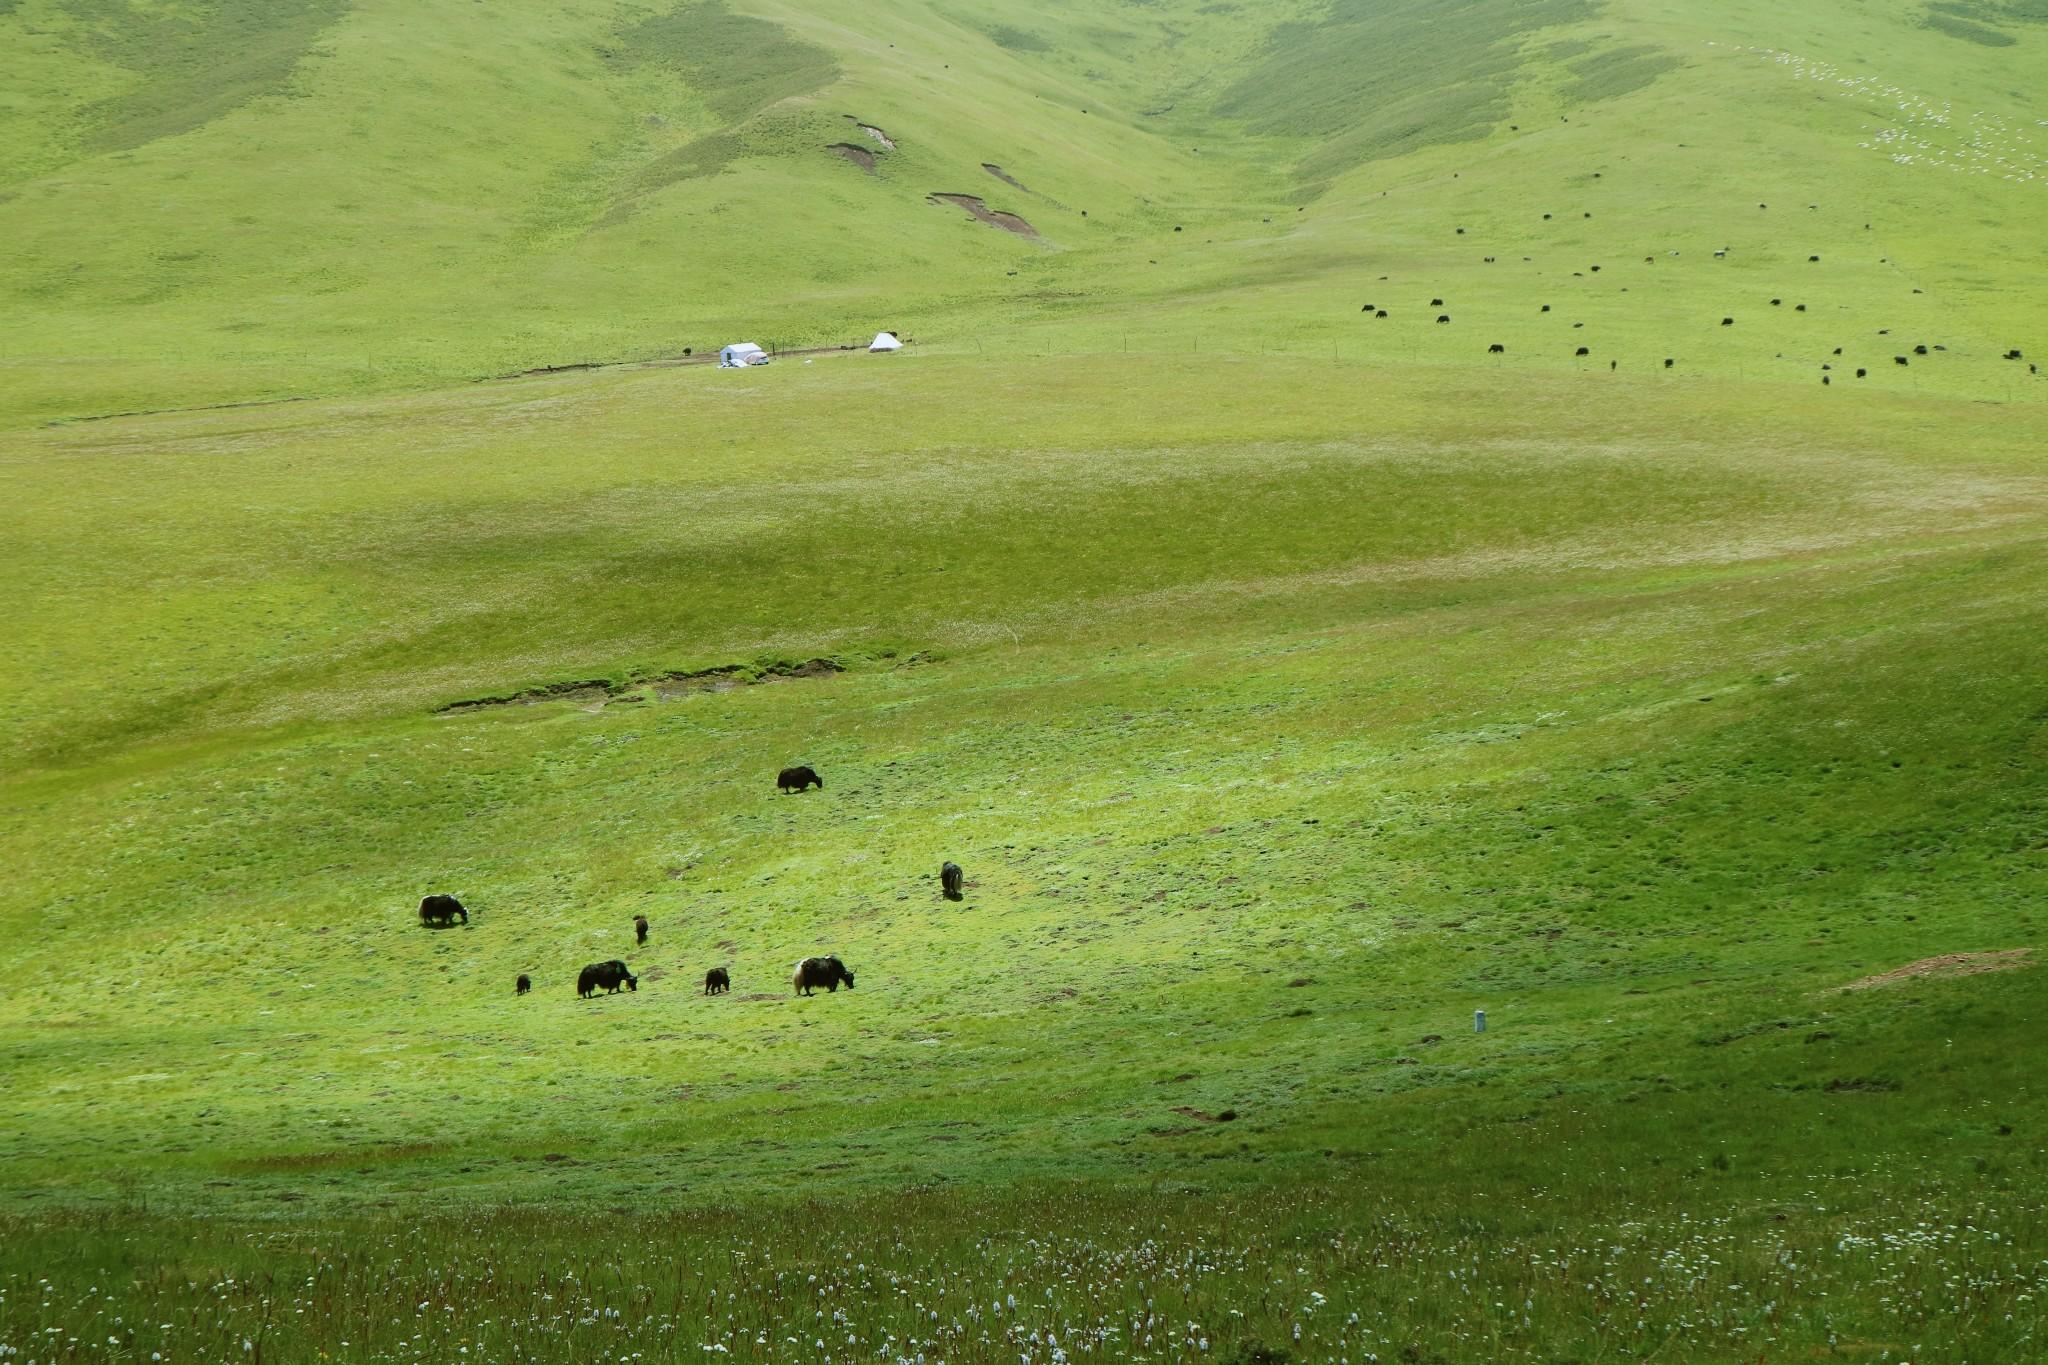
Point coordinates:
[[1381, 313], [441, 911]]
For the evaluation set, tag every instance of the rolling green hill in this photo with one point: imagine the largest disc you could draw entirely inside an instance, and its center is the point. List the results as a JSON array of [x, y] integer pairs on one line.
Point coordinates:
[[1291, 682], [213, 201]]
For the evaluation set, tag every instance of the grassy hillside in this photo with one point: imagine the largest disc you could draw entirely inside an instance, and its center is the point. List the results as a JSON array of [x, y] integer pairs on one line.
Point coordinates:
[[1273, 745], [1291, 682], [607, 180]]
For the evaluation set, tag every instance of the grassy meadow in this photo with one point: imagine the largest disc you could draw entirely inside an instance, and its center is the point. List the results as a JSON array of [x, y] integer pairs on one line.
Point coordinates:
[[1291, 683]]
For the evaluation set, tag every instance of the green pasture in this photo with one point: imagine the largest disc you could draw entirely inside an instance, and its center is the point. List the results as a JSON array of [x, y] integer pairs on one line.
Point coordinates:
[[1277, 736], [1291, 682], [608, 180]]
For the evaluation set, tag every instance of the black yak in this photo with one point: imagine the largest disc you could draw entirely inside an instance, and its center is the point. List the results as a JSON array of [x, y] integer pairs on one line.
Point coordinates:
[[639, 928], [1381, 313], [522, 985], [442, 910], [1443, 317], [812, 972], [800, 778], [949, 881], [1582, 351], [717, 981], [610, 975], [1496, 349]]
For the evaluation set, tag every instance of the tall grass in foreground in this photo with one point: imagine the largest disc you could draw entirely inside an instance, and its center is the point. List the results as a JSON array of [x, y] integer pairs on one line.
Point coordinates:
[[1047, 1277]]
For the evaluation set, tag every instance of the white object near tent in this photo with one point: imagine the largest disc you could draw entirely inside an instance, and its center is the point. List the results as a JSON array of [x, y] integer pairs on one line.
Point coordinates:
[[885, 341], [741, 353]]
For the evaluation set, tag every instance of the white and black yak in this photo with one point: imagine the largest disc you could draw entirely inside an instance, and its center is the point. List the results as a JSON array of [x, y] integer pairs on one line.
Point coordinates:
[[442, 910], [828, 972]]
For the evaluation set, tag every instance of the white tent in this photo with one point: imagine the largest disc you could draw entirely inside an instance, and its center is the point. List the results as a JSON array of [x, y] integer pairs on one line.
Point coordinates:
[[741, 353], [885, 341]]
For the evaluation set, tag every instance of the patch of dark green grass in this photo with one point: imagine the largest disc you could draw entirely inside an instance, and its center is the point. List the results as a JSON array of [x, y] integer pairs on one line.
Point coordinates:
[[194, 63], [737, 64], [1968, 31], [1616, 72], [1372, 80]]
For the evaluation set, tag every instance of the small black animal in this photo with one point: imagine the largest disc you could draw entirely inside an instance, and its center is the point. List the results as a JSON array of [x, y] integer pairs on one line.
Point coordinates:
[[1381, 313], [1727, 322], [799, 779], [1496, 349], [1669, 362], [639, 928], [610, 975], [522, 985], [1443, 317], [820, 971], [442, 910], [949, 881], [1582, 351], [717, 981]]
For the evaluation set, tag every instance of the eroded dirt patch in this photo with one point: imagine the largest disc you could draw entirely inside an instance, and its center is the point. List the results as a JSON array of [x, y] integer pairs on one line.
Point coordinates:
[[881, 138], [596, 692], [859, 156], [1008, 222], [1948, 964]]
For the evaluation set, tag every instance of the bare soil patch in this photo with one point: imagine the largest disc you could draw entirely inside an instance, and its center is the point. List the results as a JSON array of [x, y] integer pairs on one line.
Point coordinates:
[[881, 138], [859, 156], [1948, 964], [1008, 222]]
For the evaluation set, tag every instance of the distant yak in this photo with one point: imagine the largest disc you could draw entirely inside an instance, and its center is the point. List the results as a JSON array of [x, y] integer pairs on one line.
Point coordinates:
[[610, 975], [717, 981], [1582, 351], [813, 972], [1381, 313], [442, 910], [522, 985], [1443, 317], [797, 779], [1496, 349], [639, 928], [1727, 322], [950, 878]]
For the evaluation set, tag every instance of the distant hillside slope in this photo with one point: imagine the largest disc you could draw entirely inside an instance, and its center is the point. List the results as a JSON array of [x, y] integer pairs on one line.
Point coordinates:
[[236, 199]]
